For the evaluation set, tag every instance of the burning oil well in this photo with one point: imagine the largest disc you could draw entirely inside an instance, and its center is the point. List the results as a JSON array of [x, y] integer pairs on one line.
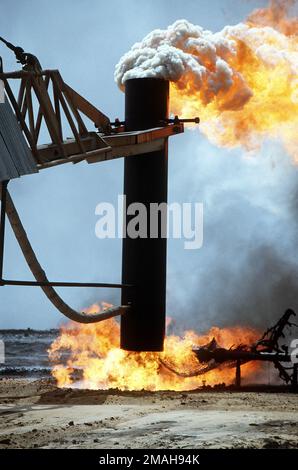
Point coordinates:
[[220, 356], [95, 360], [242, 82]]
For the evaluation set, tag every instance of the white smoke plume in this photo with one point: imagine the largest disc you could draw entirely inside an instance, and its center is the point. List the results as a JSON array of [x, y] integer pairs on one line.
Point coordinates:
[[242, 81], [185, 53]]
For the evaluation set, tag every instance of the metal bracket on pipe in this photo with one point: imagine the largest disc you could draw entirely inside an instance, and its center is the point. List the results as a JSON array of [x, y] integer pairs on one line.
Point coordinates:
[[177, 120], [119, 126]]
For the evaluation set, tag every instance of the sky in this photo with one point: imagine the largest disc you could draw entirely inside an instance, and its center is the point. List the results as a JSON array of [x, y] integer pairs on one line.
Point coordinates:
[[247, 270]]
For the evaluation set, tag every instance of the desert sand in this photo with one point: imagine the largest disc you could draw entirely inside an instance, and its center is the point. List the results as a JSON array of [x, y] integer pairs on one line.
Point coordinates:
[[36, 414]]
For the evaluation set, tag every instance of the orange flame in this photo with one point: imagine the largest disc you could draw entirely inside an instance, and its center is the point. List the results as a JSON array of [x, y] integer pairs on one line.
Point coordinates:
[[95, 351], [276, 16], [266, 61], [261, 102]]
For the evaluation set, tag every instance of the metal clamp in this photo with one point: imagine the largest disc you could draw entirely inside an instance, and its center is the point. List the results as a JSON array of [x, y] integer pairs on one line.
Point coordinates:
[[177, 120]]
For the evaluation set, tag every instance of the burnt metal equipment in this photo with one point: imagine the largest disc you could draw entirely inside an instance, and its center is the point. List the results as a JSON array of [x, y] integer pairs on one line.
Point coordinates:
[[211, 356], [268, 348]]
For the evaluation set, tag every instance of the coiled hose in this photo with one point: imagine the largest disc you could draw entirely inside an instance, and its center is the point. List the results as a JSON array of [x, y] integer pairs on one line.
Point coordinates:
[[40, 275]]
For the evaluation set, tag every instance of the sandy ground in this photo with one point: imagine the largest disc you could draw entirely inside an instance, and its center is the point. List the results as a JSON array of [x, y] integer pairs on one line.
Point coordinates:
[[38, 415]]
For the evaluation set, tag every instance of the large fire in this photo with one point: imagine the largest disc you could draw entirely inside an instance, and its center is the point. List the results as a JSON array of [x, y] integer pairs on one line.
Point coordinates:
[[95, 351], [243, 84], [241, 81], [262, 99]]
